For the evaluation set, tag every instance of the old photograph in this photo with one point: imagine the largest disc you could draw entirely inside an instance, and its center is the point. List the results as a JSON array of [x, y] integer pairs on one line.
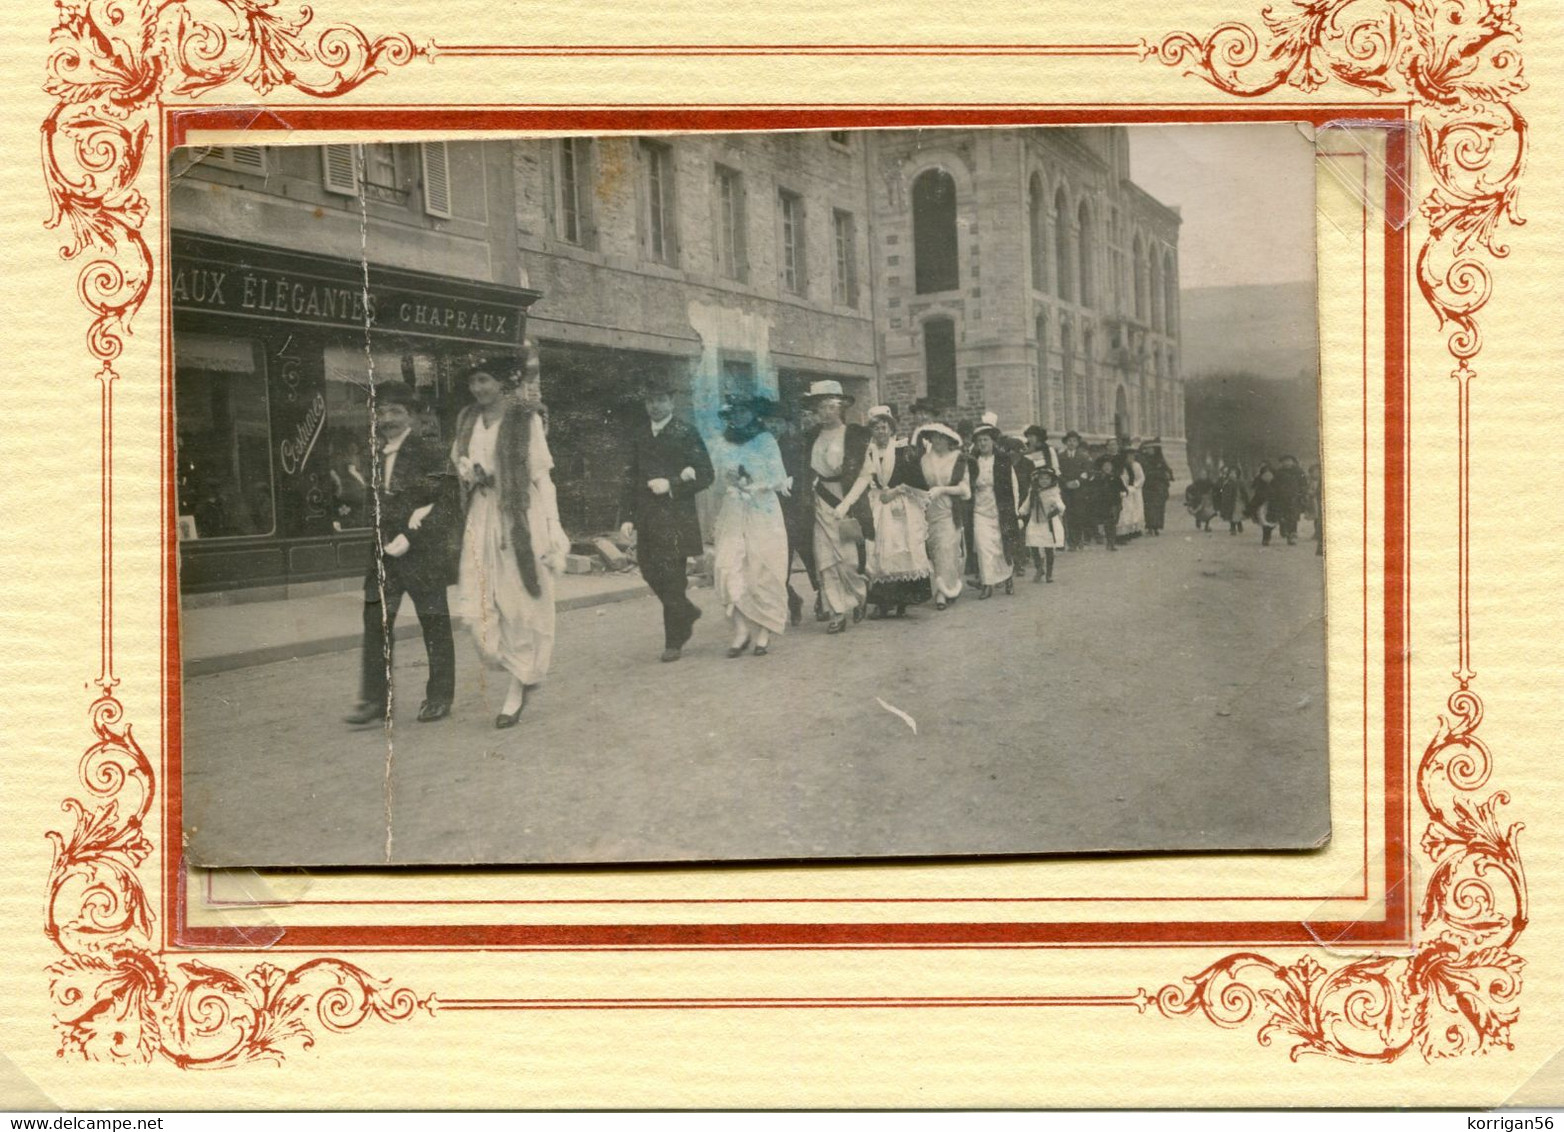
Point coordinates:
[[816, 495]]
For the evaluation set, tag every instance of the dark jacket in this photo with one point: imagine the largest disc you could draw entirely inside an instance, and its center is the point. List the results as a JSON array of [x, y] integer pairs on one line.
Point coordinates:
[[422, 475], [1289, 494], [1159, 477], [1104, 496], [1076, 467], [665, 524], [854, 446], [1232, 499], [1005, 497]]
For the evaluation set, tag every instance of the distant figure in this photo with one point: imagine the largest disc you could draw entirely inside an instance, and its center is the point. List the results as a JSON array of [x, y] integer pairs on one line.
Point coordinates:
[[1105, 498], [1232, 499], [667, 468], [1075, 468], [1132, 516], [1290, 498], [1200, 501], [1159, 481], [1261, 499]]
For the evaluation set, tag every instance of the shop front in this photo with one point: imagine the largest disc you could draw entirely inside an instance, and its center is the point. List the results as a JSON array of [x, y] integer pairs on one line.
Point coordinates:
[[275, 352]]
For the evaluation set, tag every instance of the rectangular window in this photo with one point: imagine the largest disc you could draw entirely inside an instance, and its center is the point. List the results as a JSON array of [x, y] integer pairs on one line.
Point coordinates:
[[571, 201], [223, 422], [731, 256], [738, 377], [939, 361], [845, 230], [380, 166], [790, 210], [661, 236]]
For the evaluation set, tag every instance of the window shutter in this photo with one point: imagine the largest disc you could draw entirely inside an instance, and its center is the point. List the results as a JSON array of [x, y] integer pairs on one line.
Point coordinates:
[[437, 179], [340, 164], [249, 158]]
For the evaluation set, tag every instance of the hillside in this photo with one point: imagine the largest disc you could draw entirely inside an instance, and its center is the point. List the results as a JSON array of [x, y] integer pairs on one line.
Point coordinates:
[[1271, 331]]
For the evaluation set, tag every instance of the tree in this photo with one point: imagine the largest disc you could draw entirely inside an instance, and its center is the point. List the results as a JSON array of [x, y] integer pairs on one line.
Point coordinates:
[[1245, 418]]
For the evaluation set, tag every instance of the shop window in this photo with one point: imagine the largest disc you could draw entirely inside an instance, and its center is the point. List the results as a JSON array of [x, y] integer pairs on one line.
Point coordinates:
[[732, 255], [935, 247], [939, 361], [659, 218], [790, 211], [845, 231], [223, 422]]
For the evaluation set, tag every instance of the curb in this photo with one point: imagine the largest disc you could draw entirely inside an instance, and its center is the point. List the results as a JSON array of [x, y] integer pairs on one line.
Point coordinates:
[[315, 646]]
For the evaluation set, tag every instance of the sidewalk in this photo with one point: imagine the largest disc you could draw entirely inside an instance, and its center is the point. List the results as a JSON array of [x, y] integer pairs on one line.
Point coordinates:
[[221, 638]]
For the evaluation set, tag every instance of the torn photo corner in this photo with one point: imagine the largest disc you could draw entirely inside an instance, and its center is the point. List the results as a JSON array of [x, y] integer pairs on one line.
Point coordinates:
[[824, 494]]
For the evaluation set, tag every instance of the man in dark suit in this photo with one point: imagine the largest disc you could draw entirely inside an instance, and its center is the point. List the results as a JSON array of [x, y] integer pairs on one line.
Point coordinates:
[[668, 467], [415, 511]]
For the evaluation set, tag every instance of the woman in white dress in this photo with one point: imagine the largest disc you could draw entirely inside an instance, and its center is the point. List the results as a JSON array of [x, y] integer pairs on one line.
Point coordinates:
[[751, 532], [945, 472], [1043, 508], [898, 558], [513, 544], [995, 526], [1132, 518]]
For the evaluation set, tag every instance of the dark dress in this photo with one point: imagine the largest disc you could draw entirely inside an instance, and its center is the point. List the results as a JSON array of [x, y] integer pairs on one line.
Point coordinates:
[[1159, 480]]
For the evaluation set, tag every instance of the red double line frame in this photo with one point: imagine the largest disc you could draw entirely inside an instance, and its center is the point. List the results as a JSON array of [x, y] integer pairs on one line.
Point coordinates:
[[1394, 928]]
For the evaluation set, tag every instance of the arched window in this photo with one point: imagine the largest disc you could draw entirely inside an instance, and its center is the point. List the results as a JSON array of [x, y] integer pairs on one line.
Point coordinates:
[[1170, 297], [1062, 245], [1084, 258], [1037, 207], [934, 247], [1044, 382], [1089, 375], [1138, 266], [1072, 409], [1156, 292], [1121, 414]]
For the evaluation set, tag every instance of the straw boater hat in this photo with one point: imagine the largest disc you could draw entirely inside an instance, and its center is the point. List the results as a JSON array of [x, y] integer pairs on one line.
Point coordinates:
[[989, 425], [819, 389], [883, 411]]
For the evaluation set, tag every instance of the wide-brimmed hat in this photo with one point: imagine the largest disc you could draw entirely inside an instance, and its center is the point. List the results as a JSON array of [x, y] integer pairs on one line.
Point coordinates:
[[820, 389], [989, 424], [758, 404], [937, 428]]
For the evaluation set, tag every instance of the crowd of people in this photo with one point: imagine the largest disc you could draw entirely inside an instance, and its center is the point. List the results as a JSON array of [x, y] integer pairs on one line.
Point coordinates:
[[881, 517], [1276, 498]]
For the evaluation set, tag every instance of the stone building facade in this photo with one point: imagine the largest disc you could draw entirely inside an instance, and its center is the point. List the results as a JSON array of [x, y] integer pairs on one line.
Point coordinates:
[[1013, 270], [1021, 271]]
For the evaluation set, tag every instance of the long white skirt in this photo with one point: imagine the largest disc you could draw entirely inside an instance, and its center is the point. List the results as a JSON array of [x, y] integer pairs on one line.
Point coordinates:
[[988, 540], [836, 560], [946, 550], [752, 559], [512, 629], [1132, 515]]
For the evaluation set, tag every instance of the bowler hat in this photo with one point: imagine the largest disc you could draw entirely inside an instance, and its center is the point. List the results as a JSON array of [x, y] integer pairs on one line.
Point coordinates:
[[656, 385], [393, 393]]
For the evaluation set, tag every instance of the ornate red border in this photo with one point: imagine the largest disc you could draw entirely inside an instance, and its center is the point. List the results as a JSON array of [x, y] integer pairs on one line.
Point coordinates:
[[115, 62]]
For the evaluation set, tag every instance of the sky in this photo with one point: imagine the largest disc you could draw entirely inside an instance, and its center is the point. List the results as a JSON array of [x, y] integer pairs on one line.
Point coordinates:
[[1246, 193]]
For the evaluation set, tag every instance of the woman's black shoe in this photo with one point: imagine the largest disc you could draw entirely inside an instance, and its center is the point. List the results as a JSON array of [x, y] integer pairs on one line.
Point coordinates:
[[986, 593], [503, 721]]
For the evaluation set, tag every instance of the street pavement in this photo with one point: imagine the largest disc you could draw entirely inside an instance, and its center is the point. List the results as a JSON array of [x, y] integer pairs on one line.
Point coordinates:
[[1170, 696]]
